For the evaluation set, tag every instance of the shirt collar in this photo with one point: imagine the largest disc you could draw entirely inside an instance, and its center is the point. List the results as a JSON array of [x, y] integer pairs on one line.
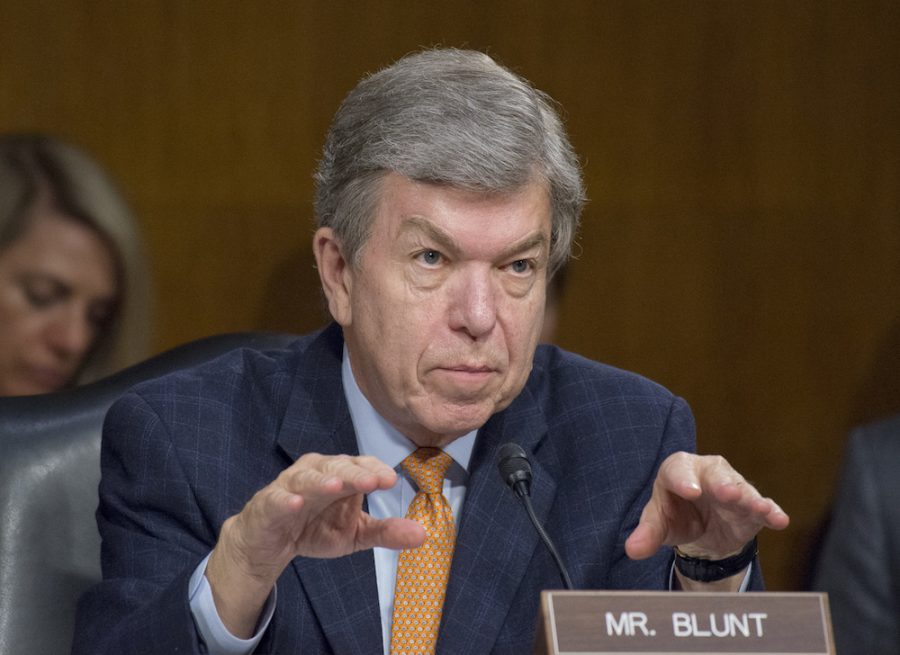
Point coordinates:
[[378, 438]]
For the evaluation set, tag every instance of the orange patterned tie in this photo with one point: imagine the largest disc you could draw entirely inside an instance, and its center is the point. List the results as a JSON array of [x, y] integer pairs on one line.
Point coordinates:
[[422, 572]]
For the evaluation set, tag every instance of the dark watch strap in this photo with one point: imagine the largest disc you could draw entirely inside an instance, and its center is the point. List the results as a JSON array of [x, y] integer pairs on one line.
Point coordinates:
[[710, 570]]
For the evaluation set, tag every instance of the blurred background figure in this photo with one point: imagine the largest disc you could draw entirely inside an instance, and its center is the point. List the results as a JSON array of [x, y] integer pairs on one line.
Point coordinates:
[[859, 565], [74, 291]]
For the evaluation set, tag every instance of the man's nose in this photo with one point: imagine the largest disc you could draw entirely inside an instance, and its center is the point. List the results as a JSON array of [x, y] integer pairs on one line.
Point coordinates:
[[474, 306]]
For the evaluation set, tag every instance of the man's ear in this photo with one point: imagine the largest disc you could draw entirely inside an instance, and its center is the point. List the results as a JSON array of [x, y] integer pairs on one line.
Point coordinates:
[[335, 274]]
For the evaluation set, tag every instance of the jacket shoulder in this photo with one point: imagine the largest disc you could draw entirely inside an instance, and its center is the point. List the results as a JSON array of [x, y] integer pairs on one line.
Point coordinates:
[[572, 380], [238, 383]]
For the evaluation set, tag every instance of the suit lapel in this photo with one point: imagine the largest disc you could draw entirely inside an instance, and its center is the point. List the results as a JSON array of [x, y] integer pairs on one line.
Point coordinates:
[[496, 541], [343, 592]]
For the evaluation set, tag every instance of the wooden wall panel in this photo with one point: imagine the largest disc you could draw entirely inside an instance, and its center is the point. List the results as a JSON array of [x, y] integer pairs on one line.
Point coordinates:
[[742, 245]]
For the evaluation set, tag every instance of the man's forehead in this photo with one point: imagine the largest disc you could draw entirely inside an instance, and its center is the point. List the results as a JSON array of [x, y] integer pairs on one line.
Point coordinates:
[[416, 225], [458, 221], [406, 198]]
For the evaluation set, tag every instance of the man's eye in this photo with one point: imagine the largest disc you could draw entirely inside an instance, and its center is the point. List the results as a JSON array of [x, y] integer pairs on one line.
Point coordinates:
[[430, 257], [520, 266]]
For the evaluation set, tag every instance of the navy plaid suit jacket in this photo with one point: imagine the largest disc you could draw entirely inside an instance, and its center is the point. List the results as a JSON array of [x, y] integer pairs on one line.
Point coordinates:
[[183, 453]]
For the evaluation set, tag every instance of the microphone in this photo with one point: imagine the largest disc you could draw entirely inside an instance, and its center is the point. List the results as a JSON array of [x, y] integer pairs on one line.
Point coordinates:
[[516, 473]]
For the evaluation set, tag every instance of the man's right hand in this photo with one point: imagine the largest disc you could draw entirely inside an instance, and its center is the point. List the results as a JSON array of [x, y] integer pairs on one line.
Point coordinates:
[[313, 509]]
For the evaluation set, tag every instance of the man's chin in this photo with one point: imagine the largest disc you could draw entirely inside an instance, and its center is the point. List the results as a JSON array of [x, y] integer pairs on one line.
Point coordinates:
[[454, 420]]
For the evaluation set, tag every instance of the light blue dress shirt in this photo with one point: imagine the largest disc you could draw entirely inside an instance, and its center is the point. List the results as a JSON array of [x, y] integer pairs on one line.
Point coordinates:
[[375, 437]]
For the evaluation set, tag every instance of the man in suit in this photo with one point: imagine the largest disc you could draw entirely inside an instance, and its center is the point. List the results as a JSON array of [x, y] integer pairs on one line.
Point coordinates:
[[863, 584], [257, 504]]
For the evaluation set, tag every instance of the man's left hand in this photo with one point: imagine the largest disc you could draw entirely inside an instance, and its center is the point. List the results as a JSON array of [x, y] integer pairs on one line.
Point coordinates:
[[706, 508]]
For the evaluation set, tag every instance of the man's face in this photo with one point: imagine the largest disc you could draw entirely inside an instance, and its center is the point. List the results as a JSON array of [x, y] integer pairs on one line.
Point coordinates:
[[442, 315]]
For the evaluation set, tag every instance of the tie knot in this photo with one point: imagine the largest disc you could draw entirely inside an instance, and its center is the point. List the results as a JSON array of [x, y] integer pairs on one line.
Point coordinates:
[[427, 466]]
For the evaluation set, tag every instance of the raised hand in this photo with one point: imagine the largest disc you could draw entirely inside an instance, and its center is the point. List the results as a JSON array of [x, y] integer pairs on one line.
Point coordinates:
[[703, 506], [312, 509]]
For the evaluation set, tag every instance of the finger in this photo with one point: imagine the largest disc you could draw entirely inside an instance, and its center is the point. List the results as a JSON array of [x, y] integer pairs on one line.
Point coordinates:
[[395, 533], [716, 474], [643, 542], [737, 494], [775, 517], [336, 463], [680, 474], [338, 475], [743, 498], [312, 482], [650, 533], [737, 504], [362, 474], [261, 527], [677, 485], [275, 508], [387, 477]]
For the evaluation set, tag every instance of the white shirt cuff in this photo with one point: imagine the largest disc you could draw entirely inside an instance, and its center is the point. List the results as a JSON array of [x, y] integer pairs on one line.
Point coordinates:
[[218, 640]]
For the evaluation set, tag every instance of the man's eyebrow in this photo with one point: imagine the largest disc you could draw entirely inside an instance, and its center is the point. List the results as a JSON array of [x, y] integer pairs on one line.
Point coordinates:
[[447, 243], [536, 239], [444, 240]]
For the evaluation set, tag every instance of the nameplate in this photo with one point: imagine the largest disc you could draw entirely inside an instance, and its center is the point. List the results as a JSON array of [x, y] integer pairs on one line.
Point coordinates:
[[664, 623]]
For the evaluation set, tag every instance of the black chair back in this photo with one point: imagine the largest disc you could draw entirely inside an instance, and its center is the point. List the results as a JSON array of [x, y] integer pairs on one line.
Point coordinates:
[[49, 472]]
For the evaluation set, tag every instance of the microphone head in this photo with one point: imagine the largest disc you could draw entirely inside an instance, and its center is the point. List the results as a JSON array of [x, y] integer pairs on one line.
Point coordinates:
[[513, 465]]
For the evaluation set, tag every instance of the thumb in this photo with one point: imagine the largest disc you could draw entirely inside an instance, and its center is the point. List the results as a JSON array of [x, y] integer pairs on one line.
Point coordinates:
[[649, 535], [394, 533]]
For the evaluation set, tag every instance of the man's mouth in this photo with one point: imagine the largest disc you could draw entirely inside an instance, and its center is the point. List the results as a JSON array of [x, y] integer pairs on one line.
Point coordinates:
[[470, 368]]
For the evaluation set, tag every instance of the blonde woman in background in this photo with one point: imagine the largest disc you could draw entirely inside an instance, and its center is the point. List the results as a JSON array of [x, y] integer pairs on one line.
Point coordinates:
[[74, 296]]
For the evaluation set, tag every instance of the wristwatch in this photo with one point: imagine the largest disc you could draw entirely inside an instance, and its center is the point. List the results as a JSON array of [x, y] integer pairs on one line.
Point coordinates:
[[710, 570]]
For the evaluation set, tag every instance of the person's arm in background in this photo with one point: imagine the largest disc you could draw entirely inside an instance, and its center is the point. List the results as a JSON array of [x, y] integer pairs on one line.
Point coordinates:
[[858, 567]]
